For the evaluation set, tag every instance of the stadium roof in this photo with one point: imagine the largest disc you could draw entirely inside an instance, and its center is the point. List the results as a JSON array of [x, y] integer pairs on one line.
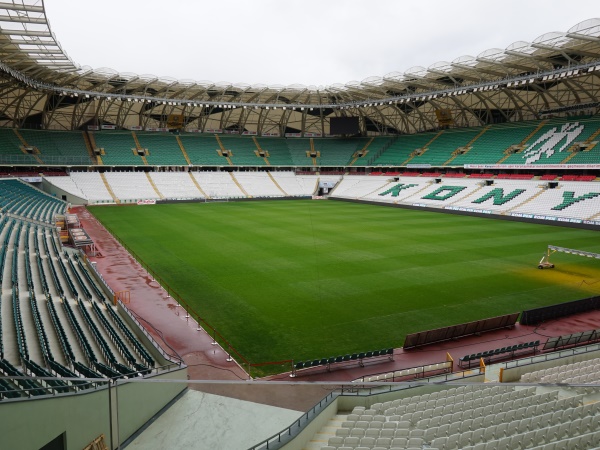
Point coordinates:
[[551, 73]]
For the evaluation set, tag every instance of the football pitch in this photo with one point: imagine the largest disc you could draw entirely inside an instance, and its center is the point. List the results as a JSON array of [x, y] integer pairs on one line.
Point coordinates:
[[306, 279]]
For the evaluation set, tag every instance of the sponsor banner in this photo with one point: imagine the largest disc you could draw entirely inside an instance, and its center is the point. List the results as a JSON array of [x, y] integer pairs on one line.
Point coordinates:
[[312, 134], [146, 202], [108, 127], [155, 129], [293, 135], [591, 222], [231, 132], [531, 166], [418, 166], [214, 130], [318, 197], [136, 128], [31, 179], [195, 130], [270, 134], [93, 127], [420, 204], [249, 133]]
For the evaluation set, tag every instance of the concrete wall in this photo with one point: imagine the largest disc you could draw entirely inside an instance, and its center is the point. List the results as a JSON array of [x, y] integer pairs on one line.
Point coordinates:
[[53, 190], [30, 424]]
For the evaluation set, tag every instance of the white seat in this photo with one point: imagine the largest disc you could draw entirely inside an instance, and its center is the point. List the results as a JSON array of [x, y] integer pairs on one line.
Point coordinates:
[[390, 433], [352, 441], [372, 432], [368, 442], [336, 441]]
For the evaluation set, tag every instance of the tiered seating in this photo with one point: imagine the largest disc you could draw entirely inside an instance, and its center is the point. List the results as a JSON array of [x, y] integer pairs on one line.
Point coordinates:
[[490, 146], [129, 186], [258, 184], [218, 184], [202, 150], [550, 144], [112, 341], [572, 200], [501, 196], [583, 372], [24, 200], [372, 150], [471, 417], [175, 185], [293, 185], [548, 177], [119, 148], [58, 147], [10, 149], [298, 148], [440, 150], [338, 152], [92, 187], [279, 152], [400, 150], [163, 149], [243, 149], [356, 186]]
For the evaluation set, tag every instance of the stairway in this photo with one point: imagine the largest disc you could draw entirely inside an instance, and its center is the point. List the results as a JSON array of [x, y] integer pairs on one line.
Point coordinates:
[[589, 144], [424, 148], [362, 151], [185, 155], [467, 147], [524, 141], [223, 149], [109, 189], [25, 145], [277, 184], [154, 185], [197, 185], [88, 146], [239, 185]]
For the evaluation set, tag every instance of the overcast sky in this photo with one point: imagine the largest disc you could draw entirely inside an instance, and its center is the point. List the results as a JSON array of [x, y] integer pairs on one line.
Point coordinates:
[[308, 42]]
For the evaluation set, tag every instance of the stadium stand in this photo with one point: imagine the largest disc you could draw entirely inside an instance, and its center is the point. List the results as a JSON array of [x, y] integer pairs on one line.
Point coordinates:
[[163, 149], [58, 147], [91, 342], [202, 150], [119, 149], [79, 333], [468, 417]]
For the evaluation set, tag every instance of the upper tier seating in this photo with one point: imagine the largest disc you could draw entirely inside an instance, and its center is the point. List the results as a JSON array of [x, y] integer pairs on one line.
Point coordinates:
[[119, 148], [163, 149], [11, 149], [58, 147], [548, 141]]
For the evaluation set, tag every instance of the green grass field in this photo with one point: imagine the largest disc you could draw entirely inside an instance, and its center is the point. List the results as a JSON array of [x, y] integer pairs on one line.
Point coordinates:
[[308, 279]]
